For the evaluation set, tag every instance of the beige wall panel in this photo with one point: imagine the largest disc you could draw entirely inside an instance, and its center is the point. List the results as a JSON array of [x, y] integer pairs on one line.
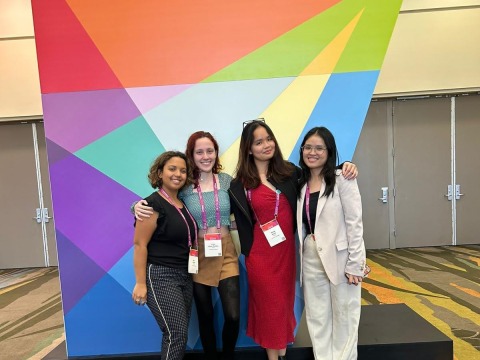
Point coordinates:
[[409, 5], [432, 52], [15, 18], [19, 82]]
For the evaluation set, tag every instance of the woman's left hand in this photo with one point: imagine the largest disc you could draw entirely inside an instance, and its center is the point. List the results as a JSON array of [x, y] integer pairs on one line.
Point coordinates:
[[353, 279], [349, 170]]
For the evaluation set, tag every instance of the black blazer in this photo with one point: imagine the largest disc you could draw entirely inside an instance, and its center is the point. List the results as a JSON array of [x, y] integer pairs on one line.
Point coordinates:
[[244, 217]]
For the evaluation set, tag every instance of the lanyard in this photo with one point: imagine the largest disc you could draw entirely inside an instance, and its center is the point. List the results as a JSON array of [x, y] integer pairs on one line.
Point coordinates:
[[277, 202], [164, 193], [202, 204], [307, 208]]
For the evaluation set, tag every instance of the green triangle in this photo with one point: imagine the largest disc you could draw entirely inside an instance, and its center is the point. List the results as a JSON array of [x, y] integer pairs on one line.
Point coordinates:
[[368, 44], [289, 54], [125, 155]]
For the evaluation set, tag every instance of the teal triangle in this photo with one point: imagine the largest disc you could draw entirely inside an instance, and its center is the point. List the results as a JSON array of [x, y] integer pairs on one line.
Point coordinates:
[[125, 155]]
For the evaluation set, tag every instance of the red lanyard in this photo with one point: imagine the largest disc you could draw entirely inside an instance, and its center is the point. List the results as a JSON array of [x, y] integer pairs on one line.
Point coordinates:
[[164, 193], [307, 208], [202, 204], [277, 202]]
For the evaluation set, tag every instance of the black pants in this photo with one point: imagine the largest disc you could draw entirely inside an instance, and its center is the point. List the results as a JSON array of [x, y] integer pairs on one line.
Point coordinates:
[[169, 297], [229, 291]]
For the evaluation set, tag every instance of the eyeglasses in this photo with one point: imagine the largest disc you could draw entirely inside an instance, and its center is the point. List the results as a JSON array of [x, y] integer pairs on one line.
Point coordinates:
[[318, 149], [245, 123]]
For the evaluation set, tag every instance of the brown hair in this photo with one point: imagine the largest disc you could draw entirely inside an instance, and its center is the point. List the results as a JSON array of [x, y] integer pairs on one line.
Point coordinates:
[[217, 167], [158, 165], [246, 170]]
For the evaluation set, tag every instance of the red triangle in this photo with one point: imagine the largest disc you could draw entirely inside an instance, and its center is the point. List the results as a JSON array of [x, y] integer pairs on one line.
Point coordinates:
[[68, 59]]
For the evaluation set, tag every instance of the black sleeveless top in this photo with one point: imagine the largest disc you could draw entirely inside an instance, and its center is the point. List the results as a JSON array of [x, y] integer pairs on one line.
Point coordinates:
[[169, 243]]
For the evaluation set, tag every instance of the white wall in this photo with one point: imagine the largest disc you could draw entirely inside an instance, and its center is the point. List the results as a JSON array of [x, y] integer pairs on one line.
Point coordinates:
[[19, 82], [434, 49]]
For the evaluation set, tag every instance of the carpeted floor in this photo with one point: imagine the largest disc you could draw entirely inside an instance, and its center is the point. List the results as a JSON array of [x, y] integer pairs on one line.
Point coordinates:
[[31, 320], [439, 283]]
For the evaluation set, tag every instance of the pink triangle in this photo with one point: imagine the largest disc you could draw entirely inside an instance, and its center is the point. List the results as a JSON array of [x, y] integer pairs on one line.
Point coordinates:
[[147, 98]]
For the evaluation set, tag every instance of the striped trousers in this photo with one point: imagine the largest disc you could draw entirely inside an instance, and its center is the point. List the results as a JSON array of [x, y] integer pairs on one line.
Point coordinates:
[[169, 298]]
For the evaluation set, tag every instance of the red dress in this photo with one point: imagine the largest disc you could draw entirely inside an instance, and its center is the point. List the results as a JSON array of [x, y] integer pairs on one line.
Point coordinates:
[[271, 275]]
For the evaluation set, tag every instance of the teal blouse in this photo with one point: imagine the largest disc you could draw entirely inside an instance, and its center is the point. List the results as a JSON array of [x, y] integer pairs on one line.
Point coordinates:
[[191, 200]]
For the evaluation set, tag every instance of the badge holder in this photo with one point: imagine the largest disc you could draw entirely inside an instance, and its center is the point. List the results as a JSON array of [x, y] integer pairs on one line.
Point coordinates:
[[213, 244]]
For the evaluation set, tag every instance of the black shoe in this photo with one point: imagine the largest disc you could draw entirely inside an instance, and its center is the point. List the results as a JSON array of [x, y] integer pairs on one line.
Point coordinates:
[[282, 357]]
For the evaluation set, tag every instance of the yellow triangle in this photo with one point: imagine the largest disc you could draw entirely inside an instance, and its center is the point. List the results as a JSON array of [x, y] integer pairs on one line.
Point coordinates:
[[287, 116], [326, 61]]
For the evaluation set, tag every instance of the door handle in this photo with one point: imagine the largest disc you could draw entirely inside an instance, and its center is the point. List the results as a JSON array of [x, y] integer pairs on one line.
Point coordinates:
[[448, 195], [384, 197], [42, 215], [457, 192]]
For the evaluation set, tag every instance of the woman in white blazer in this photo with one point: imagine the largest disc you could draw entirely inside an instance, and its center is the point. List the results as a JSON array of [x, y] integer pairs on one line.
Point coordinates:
[[332, 251]]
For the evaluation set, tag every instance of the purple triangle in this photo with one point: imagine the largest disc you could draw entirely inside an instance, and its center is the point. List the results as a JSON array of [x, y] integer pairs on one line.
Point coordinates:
[[75, 119], [55, 152], [92, 211], [78, 273]]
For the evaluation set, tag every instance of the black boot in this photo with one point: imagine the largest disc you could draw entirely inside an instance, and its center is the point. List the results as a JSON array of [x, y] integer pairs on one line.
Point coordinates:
[[282, 357]]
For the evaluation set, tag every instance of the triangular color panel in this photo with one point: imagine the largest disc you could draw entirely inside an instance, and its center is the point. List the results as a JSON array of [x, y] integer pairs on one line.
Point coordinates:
[[212, 107], [147, 98], [98, 333], [79, 118], [345, 122], [190, 43], [78, 272], [290, 53], [80, 65], [106, 238], [125, 155]]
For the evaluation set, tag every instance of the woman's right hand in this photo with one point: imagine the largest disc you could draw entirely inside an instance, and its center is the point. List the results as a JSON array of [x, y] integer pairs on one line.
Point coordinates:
[[142, 210], [139, 294]]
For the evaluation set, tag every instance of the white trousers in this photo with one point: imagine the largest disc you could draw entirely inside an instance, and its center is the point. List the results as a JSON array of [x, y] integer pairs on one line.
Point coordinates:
[[332, 311]]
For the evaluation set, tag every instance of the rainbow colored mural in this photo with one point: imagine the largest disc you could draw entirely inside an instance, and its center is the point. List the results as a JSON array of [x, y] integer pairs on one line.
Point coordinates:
[[124, 80]]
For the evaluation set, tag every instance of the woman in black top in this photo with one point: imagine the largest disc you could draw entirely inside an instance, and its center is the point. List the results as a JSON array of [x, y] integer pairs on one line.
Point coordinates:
[[163, 258]]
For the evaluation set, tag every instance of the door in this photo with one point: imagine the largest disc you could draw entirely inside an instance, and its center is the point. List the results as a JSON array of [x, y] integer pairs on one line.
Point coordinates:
[[422, 172], [47, 196], [21, 236], [372, 159], [467, 119]]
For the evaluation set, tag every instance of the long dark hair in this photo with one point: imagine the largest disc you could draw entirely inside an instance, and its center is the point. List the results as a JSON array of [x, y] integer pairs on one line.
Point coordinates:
[[328, 171], [246, 170], [191, 148]]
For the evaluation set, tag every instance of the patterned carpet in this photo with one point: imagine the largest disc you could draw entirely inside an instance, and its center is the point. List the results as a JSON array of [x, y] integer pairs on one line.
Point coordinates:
[[31, 320], [439, 283]]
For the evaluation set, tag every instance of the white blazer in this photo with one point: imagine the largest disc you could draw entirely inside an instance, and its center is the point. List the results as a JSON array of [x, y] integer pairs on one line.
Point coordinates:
[[338, 230]]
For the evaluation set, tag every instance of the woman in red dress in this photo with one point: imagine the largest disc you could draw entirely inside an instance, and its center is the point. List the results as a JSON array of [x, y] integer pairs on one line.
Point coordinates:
[[271, 274], [263, 198]]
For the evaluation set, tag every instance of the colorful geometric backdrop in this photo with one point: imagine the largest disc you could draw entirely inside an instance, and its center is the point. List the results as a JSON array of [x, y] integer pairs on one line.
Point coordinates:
[[124, 80]]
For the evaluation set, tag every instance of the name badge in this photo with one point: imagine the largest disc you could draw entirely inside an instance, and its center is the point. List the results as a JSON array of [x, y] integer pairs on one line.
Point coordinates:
[[273, 232], [213, 244], [193, 261]]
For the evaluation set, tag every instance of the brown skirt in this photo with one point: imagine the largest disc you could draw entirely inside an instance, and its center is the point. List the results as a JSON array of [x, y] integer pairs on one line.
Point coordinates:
[[213, 269]]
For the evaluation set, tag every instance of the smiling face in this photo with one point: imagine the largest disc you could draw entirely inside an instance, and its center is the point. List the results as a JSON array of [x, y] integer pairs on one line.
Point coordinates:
[[174, 174], [263, 145], [315, 153], [204, 155]]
